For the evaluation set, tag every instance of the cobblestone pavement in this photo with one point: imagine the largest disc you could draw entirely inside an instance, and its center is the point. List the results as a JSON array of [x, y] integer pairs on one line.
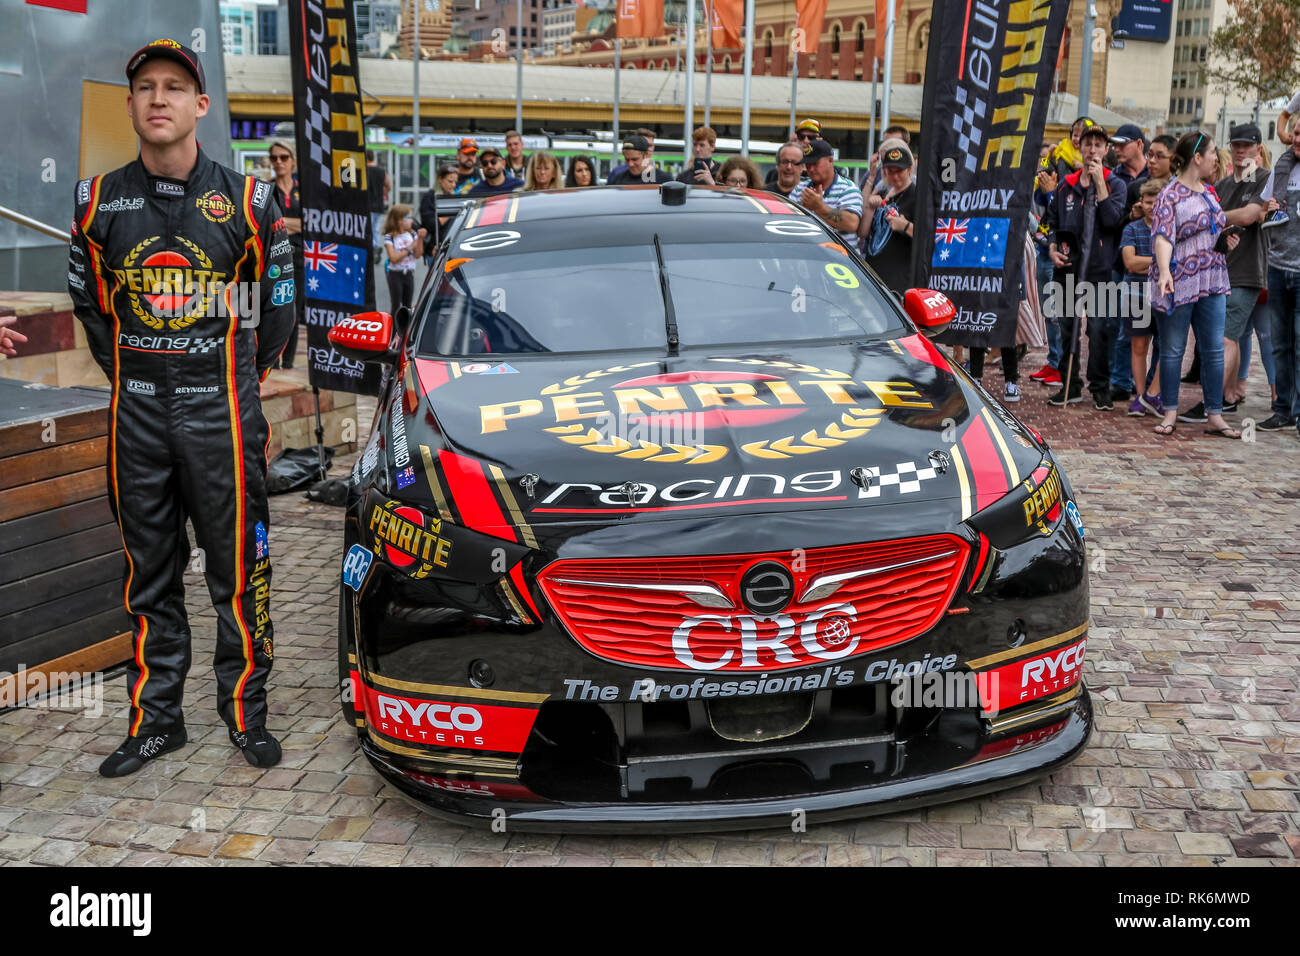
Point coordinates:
[[1192, 661]]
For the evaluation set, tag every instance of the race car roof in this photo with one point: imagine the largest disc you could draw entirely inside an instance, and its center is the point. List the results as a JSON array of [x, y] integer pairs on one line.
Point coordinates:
[[600, 201]]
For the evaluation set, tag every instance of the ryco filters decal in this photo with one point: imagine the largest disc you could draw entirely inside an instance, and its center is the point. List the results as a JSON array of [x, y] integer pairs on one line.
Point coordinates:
[[438, 723], [1040, 676], [788, 408], [408, 539]]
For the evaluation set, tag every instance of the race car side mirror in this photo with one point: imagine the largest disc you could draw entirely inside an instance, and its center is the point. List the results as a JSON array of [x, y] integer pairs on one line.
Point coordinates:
[[931, 311], [365, 336]]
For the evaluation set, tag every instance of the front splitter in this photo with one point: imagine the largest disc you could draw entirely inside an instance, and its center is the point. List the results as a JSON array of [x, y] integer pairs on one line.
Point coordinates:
[[968, 779]]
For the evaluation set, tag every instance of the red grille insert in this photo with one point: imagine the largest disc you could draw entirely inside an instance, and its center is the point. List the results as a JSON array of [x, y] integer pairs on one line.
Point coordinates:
[[912, 585]]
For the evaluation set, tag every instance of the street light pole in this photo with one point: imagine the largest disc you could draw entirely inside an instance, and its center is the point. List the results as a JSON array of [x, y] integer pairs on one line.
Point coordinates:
[[890, 17], [748, 78], [519, 67], [690, 75], [415, 102]]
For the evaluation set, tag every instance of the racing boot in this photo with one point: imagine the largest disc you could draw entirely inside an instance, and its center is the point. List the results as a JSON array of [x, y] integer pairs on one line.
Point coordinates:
[[259, 747], [135, 752]]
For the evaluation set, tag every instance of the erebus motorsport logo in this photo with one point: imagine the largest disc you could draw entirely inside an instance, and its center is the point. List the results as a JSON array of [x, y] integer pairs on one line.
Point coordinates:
[[121, 204], [784, 409]]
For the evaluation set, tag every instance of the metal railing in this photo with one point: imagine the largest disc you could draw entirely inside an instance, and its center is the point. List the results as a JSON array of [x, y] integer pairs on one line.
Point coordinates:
[[14, 216]]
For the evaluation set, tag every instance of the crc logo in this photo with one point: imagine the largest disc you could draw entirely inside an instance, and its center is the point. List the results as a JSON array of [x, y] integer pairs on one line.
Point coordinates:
[[1054, 666], [710, 642], [767, 587], [439, 716]]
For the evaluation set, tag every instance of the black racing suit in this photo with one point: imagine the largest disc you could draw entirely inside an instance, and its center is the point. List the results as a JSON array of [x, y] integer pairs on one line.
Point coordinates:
[[149, 265]]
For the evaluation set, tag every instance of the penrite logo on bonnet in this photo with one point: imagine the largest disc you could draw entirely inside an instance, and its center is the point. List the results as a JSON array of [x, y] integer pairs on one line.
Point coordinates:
[[763, 398]]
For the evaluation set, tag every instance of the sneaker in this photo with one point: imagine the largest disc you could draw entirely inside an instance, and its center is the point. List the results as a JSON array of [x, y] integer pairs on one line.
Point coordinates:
[[1043, 372], [1194, 414], [1102, 402], [1059, 399], [1276, 422], [1230, 406], [259, 747], [1278, 218], [1052, 378], [1137, 409], [1118, 393], [1011, 393], [1153, 404], [135, 752]]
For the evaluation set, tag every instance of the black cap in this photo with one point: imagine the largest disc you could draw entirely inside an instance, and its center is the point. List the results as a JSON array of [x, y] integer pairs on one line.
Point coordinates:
[[489, 151], [817, 149], [638, 143], [171, 50], [1127, 133], [899, 156], [1245, 133], [1093, 129]]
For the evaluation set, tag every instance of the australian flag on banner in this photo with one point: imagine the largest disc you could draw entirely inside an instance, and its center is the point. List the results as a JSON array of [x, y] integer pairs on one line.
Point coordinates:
[[988, 80], [972, 243], [335, 272]]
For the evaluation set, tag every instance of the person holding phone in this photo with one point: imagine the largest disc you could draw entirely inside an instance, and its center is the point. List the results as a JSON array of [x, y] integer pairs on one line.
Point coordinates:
[[703, 170]]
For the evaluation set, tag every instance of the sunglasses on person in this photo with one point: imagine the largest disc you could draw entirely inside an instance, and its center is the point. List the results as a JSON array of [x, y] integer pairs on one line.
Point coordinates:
[[280, 157], [805, 134], [492, 161]]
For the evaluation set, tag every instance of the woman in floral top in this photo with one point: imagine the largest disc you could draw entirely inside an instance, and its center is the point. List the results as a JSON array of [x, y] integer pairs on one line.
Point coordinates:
[[1189, 280]]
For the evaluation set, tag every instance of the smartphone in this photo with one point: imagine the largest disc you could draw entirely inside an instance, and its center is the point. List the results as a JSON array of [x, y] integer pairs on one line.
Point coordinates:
[[701, 164]]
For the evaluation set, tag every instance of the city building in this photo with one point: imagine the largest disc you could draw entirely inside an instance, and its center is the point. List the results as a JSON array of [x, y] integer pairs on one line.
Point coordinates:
[[254, 26], [559, 22], [379, 23], [487, 29], [435, 27]]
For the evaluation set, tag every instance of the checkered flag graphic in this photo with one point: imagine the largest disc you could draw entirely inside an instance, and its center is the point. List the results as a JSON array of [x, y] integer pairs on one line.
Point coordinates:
[[905, 477], [203, 346], [967, 134], [318, 122]]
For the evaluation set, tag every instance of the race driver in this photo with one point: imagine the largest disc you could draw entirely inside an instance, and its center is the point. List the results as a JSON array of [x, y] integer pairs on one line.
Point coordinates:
[[182, 274]]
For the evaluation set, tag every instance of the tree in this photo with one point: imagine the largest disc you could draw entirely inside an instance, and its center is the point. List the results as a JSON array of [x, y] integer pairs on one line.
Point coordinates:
[[1257, 52]]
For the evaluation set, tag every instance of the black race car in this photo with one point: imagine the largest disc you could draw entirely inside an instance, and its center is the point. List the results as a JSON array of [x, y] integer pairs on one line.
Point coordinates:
[[672, 518]]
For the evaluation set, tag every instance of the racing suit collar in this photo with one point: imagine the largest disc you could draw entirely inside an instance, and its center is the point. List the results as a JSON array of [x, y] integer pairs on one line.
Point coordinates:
[[200, 169]]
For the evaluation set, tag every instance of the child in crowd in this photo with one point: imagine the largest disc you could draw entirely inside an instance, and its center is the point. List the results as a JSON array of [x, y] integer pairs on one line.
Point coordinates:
[[403, 246], [1135, 246]]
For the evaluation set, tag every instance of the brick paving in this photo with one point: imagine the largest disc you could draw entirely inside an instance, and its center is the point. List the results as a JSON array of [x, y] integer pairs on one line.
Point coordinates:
[[1193, 663]]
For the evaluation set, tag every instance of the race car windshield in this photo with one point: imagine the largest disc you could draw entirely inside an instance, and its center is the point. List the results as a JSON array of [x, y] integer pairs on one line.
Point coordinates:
[[611, 299]]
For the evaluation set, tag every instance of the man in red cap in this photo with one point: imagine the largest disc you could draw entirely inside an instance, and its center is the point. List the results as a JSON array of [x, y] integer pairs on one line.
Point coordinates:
[[467, 174], [181, 272]]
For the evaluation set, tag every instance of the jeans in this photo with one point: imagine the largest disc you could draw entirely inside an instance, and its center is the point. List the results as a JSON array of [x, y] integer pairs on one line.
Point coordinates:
[[401, 288], [1260, 322], [1205, 315], [1046, 269], [1284, 309], [377, 227], [1121, 353]]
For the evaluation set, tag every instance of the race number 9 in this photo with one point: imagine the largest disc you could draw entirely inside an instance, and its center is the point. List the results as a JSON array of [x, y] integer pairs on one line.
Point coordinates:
[[842, 275]]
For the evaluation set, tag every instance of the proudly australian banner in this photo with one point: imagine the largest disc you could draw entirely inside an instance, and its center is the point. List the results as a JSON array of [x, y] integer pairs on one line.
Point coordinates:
[[988, 80], [337, 279]]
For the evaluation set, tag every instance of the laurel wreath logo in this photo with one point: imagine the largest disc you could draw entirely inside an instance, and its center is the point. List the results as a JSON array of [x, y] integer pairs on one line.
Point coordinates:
[[140, 312], [853, 423]]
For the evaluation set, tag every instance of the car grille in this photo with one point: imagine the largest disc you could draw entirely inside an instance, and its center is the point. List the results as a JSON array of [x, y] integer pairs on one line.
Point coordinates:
[[687, 613]]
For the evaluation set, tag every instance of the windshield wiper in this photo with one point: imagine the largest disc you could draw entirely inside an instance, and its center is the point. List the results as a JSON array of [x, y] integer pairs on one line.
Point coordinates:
[[670, 314]]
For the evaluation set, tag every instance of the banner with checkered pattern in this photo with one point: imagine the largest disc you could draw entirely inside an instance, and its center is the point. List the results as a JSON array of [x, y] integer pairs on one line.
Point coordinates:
[[337, 279], [988, 79]]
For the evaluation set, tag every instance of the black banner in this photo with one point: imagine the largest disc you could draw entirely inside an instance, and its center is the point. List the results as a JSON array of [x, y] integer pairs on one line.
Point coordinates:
[[988, 80], [337, 278]]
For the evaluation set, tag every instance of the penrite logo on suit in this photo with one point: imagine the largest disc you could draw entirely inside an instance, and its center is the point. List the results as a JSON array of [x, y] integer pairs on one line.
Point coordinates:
[[331, 180], [988, 80]]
